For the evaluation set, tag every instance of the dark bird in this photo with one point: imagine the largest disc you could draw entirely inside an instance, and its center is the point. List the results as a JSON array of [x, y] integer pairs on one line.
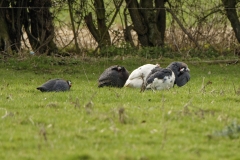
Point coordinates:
[[166, 78], [55, 85], [114, 76], [181, 72]]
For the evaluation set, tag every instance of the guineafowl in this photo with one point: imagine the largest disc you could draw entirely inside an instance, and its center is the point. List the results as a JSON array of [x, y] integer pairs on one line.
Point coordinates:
[[114, 76], [160, 78], [55, 85], [165, 78], [181, 71], [138, 76]]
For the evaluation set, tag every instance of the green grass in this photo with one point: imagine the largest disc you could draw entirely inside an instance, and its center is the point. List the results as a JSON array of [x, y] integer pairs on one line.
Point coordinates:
[[182, 123]]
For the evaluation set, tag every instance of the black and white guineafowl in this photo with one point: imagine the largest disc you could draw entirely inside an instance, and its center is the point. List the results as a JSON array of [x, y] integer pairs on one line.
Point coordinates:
[[165, 78], [114, 76], [55, 85], [160, 79]]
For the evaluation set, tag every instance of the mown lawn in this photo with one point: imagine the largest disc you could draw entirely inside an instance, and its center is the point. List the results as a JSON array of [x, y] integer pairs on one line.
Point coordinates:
[[191, 122]]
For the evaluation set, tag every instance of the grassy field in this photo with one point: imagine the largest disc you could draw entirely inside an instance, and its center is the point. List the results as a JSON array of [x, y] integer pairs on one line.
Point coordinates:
[[197, 121]]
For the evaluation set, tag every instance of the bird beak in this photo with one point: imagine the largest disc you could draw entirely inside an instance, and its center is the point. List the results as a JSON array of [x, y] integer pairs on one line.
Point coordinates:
[[187, 69]]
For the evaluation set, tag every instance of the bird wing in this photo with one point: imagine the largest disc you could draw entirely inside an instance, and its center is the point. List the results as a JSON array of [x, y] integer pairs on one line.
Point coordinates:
[[42, 89], [142, 71], [138, 76], [108, 77], [60, 85], [158, 73], [104, 79], [47, 86], [54, 85]]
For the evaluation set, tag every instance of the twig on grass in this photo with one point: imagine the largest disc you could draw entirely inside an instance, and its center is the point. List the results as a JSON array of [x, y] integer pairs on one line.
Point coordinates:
[[204, 85], [163, 100], [89, 105], [6, 113], [164, 139], [186, 110], [185, 107], [31, 120], [77, 104], [143, 87], [234, 87], [43, 133], [121, 113]]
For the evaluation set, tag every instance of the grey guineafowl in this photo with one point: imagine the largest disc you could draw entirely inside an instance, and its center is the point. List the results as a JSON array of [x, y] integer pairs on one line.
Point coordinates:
[[114, 76], [181, 71], [55, 85]]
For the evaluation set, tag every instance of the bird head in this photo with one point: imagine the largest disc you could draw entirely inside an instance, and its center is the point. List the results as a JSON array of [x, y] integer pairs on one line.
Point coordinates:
[[181, 72], [184, 69], [123, 72], [119, 68], [178, 68], [69, 83]]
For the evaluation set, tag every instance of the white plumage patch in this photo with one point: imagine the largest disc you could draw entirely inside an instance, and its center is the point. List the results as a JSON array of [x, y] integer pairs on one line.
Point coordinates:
[[160, 84], [138, 77]]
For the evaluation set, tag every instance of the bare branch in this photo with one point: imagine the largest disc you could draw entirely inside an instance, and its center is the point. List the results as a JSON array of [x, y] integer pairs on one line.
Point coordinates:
[[182, 27]]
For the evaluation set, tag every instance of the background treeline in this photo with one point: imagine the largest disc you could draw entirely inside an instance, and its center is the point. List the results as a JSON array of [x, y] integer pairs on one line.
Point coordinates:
[[119, 27]]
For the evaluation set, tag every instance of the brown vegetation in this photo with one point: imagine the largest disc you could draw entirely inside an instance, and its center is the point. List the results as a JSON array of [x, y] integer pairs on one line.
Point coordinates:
[[178, 26]]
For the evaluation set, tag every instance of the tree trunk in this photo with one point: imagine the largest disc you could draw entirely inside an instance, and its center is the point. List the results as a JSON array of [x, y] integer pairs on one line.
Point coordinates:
[[138, 23], [70, 9], [127, 31], [36, 19], [41, 33], [101, 21], [154, 36], [5, 43], [13, 20], [4, 38], [148, 22], [100, 33], [89, 22], [161, 17], [230, 8]]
